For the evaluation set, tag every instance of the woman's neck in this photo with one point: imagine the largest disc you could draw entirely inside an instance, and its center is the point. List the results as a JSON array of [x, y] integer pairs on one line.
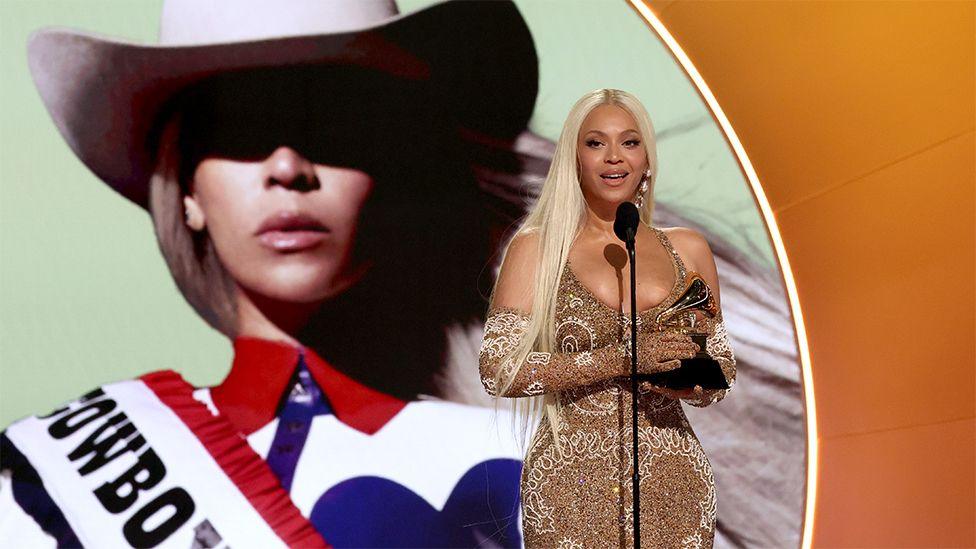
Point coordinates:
[[600, 217], [378, 334], [269, 319]]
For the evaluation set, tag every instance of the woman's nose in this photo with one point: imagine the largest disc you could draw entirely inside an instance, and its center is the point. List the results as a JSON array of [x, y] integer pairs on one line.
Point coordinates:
[[613, 154], [288, 168]]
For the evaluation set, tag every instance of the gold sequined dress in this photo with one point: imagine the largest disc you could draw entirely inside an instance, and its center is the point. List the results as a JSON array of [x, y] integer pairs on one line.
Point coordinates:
[[579, 495]]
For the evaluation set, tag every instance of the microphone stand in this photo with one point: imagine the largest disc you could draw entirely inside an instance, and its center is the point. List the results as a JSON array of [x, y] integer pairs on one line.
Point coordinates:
[[625, 227], [631, 253]]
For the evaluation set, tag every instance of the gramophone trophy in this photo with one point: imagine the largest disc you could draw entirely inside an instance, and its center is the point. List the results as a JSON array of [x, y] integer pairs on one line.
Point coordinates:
[[682, 316]]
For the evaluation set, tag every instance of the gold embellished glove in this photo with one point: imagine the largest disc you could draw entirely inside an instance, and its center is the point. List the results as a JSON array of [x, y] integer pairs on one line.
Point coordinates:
[[544, 372], [718, 346]]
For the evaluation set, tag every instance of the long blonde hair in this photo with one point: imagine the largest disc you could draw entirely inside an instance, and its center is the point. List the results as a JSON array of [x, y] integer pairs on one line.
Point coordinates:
[[557, 218]]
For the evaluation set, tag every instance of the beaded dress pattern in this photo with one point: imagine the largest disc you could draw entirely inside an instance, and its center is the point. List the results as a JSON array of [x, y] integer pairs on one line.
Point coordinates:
[[579, 494]]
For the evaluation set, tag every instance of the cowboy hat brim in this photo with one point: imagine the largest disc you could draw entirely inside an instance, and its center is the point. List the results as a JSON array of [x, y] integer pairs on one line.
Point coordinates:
[[105, 95]]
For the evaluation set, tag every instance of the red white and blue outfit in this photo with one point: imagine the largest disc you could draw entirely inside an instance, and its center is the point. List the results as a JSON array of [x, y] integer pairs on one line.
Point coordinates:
[[287, 451]]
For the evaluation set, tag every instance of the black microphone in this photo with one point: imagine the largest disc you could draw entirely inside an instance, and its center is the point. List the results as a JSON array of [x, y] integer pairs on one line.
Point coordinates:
[[625, 225]]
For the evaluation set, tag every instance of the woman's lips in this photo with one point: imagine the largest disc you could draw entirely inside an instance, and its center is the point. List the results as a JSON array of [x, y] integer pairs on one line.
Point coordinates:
[[291, 241], [615, 181], [289, 231]]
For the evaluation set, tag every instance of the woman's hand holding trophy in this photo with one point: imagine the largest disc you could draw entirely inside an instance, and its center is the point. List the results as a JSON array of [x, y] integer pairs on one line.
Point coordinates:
[[691, 314]]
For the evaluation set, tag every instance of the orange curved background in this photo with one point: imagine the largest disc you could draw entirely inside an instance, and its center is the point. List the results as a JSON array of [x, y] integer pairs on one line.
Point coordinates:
[[858, 118]]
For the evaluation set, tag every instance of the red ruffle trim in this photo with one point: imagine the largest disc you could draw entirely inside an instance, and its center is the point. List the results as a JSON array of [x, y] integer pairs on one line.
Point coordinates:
[[240, 463]]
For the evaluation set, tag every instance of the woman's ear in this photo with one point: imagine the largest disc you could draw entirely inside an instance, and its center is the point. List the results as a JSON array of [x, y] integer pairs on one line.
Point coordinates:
[[195, 219]]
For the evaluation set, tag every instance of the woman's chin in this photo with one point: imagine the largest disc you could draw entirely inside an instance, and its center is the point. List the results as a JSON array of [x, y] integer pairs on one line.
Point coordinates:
[[300, 284], [297, 288], [610, 197]]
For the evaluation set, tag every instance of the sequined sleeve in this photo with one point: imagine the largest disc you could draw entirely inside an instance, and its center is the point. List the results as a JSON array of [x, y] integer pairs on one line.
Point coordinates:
[[717, 345], [540, 372]]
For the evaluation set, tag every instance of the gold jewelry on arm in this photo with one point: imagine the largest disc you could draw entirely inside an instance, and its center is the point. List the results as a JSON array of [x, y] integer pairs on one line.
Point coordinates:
[[719, 347], [540, 372]]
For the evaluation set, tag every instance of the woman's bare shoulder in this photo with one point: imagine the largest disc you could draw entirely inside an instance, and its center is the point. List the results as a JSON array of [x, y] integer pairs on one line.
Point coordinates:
[[516, 279], [695, 253], [690, 245]]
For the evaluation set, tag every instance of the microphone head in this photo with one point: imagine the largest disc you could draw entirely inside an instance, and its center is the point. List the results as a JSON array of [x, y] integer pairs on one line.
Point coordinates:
[[625, 225]]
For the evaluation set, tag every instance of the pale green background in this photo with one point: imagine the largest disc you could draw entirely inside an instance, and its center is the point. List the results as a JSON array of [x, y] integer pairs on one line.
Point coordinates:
[[85, 297]]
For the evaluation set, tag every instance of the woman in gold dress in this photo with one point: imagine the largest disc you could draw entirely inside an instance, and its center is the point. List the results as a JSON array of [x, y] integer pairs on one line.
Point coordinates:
[[558, 331]]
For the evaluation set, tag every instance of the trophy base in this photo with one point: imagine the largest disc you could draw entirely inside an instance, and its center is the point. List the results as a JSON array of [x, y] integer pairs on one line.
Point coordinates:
[[704, 371]]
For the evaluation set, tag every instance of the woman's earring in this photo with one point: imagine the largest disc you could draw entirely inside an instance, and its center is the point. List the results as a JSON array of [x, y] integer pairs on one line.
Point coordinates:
[[642, 189], [192, 215]]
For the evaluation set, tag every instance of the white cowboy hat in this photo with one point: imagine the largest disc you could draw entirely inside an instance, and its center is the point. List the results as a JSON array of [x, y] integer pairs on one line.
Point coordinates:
[[104, 95]]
